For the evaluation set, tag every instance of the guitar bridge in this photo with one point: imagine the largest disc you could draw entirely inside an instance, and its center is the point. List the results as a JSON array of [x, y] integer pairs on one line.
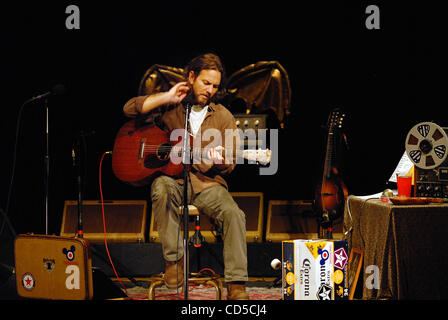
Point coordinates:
[[141, 152]]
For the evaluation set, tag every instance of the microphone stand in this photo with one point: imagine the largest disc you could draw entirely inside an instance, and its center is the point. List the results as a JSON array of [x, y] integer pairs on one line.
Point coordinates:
[[186, 159], [58, 89], [47, 164], [77, 164]]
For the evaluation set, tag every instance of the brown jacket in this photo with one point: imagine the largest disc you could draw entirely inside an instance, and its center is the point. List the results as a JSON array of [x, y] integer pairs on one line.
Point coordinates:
[[202, 175]]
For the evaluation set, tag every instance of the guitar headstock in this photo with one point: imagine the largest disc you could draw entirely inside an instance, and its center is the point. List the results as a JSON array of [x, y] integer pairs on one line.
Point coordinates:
[[335, 120]]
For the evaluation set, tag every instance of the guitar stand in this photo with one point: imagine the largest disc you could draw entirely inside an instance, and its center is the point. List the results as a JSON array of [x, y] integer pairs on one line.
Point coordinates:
[[325, 226]]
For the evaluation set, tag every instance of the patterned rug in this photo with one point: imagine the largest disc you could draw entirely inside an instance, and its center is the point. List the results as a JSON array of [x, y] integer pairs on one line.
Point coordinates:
[[256, 291]]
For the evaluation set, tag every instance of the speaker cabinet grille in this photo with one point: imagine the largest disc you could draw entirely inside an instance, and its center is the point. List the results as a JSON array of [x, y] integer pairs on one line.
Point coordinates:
[[125, 220], [294, 219]]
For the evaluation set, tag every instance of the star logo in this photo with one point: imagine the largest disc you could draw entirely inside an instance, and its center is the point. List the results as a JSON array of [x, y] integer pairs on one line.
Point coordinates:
[[340, 258], [324, 292], [28, 281]]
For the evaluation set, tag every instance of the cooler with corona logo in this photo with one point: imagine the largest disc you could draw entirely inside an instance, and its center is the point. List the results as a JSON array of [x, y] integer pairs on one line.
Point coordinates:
[[314, 269], [52, 267]]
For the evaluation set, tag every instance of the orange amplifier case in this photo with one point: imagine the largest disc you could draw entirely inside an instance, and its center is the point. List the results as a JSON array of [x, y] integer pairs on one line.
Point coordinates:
[[125, 220], [52, 267]]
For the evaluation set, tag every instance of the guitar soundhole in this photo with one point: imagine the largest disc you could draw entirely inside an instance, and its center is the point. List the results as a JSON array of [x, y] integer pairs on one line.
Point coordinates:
[[152, 161], [159, 158]]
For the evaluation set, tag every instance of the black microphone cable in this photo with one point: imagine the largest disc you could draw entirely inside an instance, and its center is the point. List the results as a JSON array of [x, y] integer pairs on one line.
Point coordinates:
[[14, 157]]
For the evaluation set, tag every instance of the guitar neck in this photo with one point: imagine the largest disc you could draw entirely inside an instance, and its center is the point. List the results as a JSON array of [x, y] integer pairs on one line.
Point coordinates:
[[328, 155], [248, 154]]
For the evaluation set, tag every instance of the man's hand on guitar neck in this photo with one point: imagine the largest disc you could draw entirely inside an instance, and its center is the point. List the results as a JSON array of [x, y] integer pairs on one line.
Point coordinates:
[[174, 96], [213, 157]]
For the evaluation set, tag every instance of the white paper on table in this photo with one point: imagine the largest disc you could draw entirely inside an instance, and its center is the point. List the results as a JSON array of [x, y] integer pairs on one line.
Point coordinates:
[[404, 167]]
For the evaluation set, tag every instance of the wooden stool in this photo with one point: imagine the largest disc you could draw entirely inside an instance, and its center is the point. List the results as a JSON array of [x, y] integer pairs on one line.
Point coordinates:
[[194, 278]]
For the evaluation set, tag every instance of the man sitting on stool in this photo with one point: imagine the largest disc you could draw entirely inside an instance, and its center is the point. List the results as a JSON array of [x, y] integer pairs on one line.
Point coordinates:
[[207, 189]]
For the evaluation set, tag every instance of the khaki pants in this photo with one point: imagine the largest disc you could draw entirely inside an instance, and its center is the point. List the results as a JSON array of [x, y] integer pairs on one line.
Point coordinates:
[[215, 202]]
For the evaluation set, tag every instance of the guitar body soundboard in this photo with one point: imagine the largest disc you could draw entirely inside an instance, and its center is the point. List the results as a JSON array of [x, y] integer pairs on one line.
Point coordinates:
[[137, 156]]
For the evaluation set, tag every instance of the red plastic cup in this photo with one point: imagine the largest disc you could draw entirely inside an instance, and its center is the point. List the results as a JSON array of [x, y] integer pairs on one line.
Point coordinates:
[[404, 186]]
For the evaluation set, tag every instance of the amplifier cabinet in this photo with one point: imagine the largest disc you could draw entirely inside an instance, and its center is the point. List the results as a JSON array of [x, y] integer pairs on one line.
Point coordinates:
[[250, 121], [432, 183], [251, 203], [52, 267], [125, 220], [250, 124], [294, 219]]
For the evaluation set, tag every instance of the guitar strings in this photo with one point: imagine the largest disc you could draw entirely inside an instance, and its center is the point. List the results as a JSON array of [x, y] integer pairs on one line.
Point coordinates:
[[154, 149], [259, 156], [168, 148]]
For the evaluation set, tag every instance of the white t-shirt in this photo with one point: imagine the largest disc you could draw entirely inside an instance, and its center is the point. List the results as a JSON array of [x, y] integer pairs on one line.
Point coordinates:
[[197, 115]]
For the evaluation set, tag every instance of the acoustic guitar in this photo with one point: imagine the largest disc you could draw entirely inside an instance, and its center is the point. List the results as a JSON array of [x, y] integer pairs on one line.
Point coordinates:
[[142, 151]]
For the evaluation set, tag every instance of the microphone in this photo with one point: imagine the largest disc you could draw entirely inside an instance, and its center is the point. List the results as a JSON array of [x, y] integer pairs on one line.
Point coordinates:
[[58, 89], [197, 239]]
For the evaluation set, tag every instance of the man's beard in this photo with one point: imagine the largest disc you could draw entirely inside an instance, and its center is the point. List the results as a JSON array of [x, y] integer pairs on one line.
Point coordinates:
[[202, 104]]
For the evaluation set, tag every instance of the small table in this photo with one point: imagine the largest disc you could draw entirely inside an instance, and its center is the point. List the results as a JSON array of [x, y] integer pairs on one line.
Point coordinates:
[[405, 248]]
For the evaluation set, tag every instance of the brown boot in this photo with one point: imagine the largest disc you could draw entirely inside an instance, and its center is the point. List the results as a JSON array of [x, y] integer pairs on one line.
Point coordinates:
[[236, 292], [174, 273]]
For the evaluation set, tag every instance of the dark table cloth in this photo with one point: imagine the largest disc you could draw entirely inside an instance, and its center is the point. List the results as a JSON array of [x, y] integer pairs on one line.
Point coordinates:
[[408, 244]]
